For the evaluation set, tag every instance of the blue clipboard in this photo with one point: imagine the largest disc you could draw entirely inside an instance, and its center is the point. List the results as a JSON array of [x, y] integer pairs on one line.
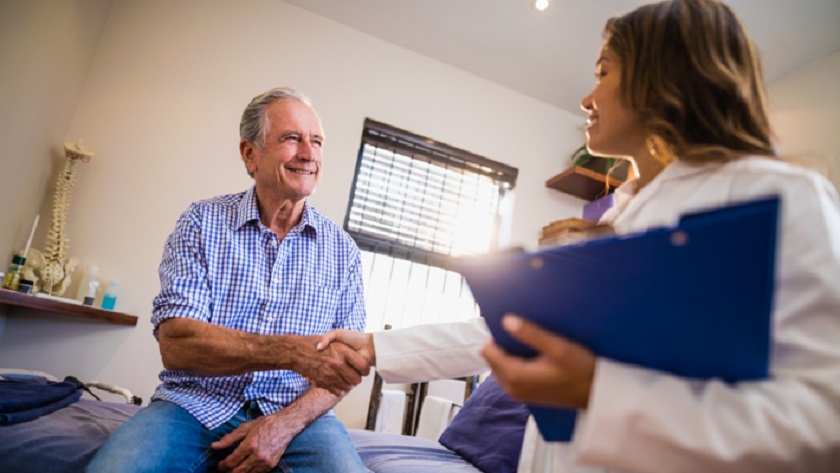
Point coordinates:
[[694, 300]]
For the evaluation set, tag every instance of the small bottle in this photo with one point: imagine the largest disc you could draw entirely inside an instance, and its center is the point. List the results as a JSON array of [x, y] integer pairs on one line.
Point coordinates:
[[25, 286], [91, 274], [90, 295], [109, 300], [12, 278]]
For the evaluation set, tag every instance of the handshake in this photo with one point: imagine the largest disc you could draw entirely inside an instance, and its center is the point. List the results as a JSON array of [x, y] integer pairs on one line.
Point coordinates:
[[337, 360], [560, 376]]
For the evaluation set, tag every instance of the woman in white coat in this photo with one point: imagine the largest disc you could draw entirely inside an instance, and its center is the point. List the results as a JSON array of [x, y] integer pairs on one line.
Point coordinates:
[[679, 92]]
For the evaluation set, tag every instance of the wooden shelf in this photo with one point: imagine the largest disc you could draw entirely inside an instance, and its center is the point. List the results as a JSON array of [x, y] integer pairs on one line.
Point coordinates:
[[581, 182], [16, 299]]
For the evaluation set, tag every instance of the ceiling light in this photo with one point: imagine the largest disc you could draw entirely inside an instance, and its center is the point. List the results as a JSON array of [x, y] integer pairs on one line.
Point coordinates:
[[541, 5]]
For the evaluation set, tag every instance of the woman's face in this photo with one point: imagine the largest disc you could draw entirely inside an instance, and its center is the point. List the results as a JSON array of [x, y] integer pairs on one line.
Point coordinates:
[[613, 129]]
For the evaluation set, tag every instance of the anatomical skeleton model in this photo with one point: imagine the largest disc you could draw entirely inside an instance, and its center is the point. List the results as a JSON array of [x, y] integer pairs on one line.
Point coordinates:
[[51, 270]]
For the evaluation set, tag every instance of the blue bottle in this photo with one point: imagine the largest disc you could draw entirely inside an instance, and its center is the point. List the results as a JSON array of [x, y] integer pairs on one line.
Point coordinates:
[[109, 300]]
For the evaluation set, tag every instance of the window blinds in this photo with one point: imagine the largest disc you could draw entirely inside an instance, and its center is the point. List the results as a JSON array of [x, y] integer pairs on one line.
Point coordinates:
[[417, 199]]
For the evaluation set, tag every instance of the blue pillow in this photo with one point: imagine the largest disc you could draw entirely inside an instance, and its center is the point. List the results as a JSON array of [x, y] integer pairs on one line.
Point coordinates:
[[489, 429]]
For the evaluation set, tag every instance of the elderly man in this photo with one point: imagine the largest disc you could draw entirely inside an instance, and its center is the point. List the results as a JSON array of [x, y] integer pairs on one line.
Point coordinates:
[[248, 282]]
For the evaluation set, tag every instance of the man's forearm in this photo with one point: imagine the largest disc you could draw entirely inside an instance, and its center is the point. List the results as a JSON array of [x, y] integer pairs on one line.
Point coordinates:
[[208, 349], [211, 350]]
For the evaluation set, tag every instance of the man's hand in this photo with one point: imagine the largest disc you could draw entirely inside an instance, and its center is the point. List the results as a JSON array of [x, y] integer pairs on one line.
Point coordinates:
[[262, 443], [336, 368], [560, 375], [360, 341]]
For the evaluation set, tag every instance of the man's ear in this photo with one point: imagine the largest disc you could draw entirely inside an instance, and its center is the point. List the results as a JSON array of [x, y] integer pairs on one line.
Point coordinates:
[[246, 151]]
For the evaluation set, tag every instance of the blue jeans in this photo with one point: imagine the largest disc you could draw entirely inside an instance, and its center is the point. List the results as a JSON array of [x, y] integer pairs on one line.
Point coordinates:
[[164, 437]]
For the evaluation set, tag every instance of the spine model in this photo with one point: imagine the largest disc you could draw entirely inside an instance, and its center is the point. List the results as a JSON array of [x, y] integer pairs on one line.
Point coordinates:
[[56, 272]]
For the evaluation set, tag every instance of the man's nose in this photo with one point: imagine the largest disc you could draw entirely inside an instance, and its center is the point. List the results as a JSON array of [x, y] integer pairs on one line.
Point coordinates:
[[306, 150]]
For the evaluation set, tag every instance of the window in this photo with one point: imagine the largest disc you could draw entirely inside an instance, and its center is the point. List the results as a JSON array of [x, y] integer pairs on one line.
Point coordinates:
[[414, 206]]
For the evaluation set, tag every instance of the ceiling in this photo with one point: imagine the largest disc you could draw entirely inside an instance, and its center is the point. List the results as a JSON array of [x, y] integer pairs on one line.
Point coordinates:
[[550, 55]]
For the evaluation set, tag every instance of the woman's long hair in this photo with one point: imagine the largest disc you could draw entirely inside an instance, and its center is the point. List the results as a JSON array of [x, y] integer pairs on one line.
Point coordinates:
[[692, 73]]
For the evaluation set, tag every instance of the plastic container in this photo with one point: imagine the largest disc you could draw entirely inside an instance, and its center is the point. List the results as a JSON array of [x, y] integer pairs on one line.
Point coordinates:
[[91, 275], [109, 300], [12, 278], [90, 295], [25, 286]]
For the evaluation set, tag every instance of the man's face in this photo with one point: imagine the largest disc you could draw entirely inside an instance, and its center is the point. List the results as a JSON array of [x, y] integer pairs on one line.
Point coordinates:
[[288, 165]]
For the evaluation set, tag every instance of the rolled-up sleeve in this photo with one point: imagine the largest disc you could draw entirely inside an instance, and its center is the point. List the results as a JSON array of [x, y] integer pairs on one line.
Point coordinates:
[[183, 274]]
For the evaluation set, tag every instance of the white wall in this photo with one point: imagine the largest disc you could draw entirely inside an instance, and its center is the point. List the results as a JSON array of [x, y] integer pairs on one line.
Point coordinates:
[[805, 109], [46, 49], [161, 106]]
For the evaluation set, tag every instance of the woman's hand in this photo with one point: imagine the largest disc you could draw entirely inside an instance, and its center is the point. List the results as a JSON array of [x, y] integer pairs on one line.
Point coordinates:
[[560, 375], [572, 230], [361, 342]]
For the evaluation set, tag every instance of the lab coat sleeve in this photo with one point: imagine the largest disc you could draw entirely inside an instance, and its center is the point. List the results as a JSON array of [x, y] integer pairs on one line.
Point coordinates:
[[429, 352], [644, 420]]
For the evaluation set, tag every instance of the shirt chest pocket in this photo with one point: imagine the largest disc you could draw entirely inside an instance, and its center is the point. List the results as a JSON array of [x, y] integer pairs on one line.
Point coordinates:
[[310, 309]]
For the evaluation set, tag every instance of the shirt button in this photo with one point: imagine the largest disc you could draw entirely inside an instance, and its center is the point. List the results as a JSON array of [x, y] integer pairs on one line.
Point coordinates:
[[273, 242]]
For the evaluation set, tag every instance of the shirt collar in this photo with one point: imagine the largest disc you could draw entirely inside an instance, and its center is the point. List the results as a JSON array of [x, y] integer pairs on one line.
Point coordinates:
[[627, 195], [309, 222], [249, 212]]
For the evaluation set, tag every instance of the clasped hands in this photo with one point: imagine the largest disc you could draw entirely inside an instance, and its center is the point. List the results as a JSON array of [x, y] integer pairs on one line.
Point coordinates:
[[561, 374], [337, 360]]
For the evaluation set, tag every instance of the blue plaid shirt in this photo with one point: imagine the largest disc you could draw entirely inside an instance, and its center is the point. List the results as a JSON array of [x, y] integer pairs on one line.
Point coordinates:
[[222, 265]]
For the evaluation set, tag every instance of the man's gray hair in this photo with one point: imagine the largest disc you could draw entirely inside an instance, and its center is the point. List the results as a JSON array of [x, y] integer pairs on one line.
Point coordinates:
[[255, 123]]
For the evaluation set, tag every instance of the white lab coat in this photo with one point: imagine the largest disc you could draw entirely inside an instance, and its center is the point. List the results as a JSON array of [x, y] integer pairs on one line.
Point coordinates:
[[643, 420]]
